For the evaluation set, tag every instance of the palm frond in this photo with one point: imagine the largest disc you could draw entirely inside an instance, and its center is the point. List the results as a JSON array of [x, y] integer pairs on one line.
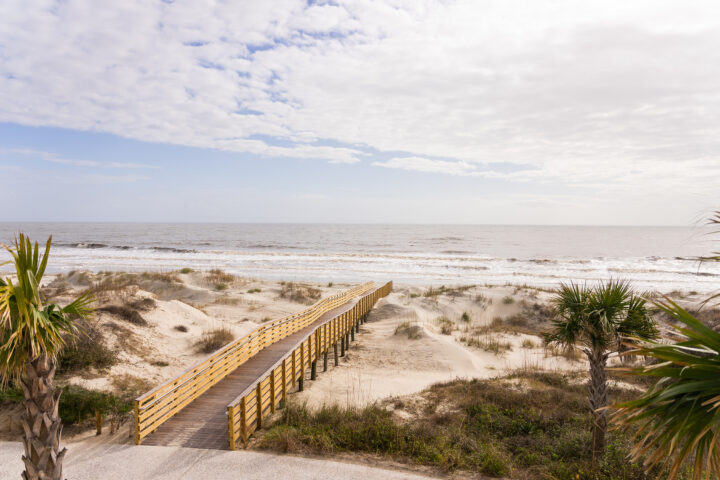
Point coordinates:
[[27, 328], [680, 416]]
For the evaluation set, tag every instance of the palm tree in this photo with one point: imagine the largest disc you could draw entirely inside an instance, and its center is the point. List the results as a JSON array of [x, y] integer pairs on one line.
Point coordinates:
[[31, 335], [597, 319], [679, 417]]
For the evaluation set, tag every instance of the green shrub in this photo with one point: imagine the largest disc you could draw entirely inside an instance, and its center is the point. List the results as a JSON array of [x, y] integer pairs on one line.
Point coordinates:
[[508, 300], [87, 349], [78, 403], [254, 290], [485, 427], [186, 270], [11, 394]]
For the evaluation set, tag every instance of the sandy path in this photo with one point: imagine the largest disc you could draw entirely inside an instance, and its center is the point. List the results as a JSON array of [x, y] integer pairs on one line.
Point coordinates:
[[122, 462]]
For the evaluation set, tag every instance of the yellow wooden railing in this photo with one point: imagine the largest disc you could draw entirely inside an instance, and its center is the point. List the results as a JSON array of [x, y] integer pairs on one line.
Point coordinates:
[[246, 412], [158, 405]]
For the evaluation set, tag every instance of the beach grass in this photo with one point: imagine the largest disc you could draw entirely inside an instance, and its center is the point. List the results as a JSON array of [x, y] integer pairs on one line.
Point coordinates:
[[488, 427]]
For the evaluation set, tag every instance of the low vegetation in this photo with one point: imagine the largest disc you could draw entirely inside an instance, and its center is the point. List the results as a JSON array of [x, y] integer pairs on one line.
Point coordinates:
[[214, 339], [216, 276], [299, 293], [126, 313], [488, 342], [446, 325], [84, 350], [411, 330], [532, 426]]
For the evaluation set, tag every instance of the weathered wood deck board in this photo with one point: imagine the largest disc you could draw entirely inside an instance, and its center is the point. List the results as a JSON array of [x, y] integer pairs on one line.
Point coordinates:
[[204, 422]]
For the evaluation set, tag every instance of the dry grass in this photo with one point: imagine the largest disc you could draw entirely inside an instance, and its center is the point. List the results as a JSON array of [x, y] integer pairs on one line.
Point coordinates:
[[299, 293], [129, 385], [225, 300], [217, 276], [126, 313], [446, 325], [572, 354], [410, 329], [487, 342], [213, 340]]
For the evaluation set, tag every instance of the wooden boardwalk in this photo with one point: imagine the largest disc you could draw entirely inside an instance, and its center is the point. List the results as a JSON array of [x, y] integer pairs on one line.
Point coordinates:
[[204, 422]]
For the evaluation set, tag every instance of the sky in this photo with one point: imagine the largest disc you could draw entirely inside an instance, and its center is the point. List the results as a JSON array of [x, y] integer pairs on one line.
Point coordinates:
[[397, 111]]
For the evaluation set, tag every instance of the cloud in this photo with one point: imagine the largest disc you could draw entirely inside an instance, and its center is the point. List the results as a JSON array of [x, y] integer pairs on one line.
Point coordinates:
[[427, 165], [600, 95], [55, 158]]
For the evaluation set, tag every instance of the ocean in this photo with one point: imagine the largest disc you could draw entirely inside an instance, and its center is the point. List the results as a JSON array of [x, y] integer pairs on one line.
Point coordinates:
[[653, 258]]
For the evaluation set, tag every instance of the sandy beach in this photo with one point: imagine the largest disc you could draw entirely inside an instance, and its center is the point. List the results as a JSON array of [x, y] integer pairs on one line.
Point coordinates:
[[413, 338]]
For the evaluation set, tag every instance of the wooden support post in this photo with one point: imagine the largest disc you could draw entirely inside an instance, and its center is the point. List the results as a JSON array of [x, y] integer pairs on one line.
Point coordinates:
[[302, 359], [357, 326], [98, 422], [342, 346], [284, 380], [243, 421], [294, 373], [337, 361], [325, 358], [136, 423], [352, 332], [259, 406], [313, 370], [301, 387], [347, 341], [272, 391], [231, 427]]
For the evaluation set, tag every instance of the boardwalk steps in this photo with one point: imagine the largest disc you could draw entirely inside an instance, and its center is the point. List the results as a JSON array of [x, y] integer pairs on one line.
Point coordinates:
[[222, 400]]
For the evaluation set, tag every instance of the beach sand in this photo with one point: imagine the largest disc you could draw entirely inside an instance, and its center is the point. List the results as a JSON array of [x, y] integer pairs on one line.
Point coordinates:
[[415, 337]]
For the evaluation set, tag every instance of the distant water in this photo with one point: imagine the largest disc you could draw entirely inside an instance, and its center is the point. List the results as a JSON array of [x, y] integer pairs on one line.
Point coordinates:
[[658, 258]]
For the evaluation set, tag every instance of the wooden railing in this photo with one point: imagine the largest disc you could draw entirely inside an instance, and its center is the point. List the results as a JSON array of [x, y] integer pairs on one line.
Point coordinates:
[[246, 412], [158, 405]]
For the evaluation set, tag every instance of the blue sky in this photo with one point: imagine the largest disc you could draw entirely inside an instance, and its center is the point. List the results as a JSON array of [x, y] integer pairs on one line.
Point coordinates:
[[496, 112]]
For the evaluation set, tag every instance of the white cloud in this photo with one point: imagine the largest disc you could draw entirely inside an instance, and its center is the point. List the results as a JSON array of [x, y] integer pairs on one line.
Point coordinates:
[[428, 165], [55, 158], [620, 96]]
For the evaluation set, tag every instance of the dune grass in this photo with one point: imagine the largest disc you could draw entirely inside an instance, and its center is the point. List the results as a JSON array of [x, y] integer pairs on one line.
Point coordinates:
[[214, 339], [487, 427]]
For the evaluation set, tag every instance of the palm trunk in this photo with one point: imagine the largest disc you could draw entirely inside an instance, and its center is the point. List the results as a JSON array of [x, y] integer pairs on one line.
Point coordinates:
[[597, 397], [41, 423]]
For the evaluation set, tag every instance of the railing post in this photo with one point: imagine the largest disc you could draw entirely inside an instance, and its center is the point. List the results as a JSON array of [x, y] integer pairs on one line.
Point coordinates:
[[272, 390], [231, 427], [136, 409], [243, 420], [259, 405], [284, 380]]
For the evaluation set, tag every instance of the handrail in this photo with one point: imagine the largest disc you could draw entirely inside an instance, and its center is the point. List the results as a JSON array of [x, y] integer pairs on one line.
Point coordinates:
[[159, 404], [246, 411]]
